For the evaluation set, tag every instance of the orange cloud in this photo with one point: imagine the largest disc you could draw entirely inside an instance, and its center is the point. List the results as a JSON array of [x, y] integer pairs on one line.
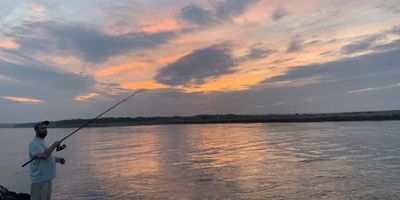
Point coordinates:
[[119, 68], [9, 44], [170, 59], [137, 71], [166, 25], [36, 8], [251, 28], [22, 100], [63, 60], [144, 85], [232, 82], [86, 97]]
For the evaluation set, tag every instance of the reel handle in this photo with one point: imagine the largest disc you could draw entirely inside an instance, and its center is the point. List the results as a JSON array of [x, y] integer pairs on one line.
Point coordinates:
[[59, 148]]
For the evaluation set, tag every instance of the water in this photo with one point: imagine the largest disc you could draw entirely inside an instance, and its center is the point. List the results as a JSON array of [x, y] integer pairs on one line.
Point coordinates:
[[346, 160]]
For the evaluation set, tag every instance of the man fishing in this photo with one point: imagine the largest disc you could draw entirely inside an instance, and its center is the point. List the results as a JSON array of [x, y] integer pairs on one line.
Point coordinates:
[[43, 164], [43, 167]]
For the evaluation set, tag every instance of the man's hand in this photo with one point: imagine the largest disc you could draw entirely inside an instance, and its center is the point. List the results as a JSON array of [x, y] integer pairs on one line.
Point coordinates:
[[62, 161], [57, 143]]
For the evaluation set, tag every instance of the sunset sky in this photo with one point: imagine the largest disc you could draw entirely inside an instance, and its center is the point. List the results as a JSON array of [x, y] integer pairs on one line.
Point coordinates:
[[73, 59]]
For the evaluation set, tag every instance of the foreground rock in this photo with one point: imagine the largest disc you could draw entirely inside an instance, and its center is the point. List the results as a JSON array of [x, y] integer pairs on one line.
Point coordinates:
[[5, 194]]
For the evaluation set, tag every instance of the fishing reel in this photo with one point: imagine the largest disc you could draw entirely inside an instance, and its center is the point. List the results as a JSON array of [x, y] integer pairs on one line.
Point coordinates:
[[59, 148]]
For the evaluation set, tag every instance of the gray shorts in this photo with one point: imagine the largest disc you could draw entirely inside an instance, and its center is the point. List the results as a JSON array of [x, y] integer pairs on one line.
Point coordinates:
[[41, 191]]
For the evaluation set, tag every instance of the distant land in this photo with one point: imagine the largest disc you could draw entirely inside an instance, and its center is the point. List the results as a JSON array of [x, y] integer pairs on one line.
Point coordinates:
[[228, 118]]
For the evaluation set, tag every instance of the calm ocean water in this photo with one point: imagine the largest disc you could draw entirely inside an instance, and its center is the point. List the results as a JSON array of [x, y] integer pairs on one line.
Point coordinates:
[[344, 160]]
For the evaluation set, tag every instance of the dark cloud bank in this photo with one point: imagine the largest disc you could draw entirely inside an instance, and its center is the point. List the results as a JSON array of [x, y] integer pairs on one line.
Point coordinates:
[[207, 63], [88, 43]]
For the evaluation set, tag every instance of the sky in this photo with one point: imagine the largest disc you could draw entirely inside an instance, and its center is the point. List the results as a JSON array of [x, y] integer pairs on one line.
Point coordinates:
[[74, 59]]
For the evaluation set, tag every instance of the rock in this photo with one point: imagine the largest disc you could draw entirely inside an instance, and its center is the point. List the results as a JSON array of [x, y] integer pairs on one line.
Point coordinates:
[[5, 194], [3, 190], [11, 193], [23, 196], [10, 197]]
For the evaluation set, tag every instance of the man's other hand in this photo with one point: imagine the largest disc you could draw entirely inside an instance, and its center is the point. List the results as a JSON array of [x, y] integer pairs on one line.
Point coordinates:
[[61, 161]]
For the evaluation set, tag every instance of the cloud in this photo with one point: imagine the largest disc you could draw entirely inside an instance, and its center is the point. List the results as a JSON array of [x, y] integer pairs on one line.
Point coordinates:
[[37, 79], [37, 8], [390, 5], [279, 13], [395, 30], [223, 11], [294, 45], [362, 67], [298, 82], [8, 44], [281, 60], [328, 53], [87, 96], [196, 67], [4, 78], [211, 62], [232, 8], [371, 42], [393, 45], [197, 15], [256, 52], [22, 100], [90, 44], [375, 88], [367, 82], [361, 45]]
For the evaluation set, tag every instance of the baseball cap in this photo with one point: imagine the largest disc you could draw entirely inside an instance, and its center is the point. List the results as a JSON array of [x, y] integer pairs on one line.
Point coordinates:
[[36, 126]]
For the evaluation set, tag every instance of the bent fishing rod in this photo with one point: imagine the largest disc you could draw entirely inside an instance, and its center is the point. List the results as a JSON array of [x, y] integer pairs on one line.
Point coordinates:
[[59, 148]]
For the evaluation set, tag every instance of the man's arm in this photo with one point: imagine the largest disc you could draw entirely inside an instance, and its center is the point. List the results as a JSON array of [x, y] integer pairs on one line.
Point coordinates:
[[50, 150]]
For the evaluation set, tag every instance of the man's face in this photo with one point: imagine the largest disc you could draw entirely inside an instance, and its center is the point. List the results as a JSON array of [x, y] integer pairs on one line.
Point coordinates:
[[42, 131]]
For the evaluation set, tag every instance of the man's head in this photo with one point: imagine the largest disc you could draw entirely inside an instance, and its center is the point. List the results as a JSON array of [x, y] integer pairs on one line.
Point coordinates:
[[41, 129]]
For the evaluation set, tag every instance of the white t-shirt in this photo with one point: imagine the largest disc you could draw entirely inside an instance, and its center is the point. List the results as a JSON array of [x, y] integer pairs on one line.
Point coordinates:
[[41, 169]]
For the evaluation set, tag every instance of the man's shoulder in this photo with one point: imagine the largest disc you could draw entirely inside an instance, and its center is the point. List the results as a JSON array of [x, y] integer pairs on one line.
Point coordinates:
[[36, 142]]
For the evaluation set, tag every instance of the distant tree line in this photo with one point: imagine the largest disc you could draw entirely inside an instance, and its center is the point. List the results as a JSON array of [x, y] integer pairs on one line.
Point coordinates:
[[228, 118]]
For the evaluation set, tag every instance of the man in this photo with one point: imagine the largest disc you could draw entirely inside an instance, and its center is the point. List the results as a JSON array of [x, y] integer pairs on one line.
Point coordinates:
[[43, 168]]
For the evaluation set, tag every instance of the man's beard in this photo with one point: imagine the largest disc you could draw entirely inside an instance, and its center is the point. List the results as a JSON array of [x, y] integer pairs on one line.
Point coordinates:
[[42, 135]]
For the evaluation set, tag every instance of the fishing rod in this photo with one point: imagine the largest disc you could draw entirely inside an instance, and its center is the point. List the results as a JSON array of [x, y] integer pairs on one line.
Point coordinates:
[[59, 148]]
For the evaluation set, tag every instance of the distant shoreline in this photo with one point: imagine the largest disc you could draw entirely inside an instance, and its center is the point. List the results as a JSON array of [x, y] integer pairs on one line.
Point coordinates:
[[229, 118]]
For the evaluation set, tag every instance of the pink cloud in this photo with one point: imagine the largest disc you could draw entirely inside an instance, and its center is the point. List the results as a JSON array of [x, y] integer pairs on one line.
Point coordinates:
[[22, 100], [9, 44], [36, 8], [86, 97]]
